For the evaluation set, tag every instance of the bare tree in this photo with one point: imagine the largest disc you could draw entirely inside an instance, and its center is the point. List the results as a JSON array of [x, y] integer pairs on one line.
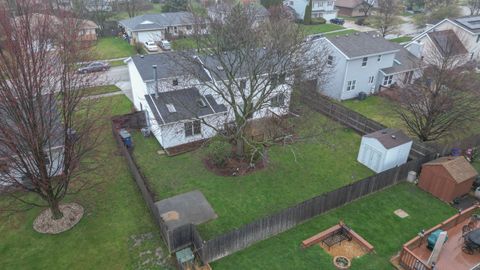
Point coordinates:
[[366, 7], [251, 65], [385, 18], [473, 6], [46, 129], [444, 100]]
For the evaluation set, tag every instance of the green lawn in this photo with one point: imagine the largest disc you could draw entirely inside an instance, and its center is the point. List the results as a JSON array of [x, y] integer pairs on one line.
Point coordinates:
[[184, 44], [341, 33], [111, 48], [104, 89], [401, 39], [117, 63], [322, 161], [377, 108], [115, 215], [321, 28], [372, 217], [157, 8]]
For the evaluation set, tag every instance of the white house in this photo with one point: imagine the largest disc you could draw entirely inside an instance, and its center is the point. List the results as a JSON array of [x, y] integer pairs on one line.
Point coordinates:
[[365, 62], [463, 30], [384, 149], [321, 8], [183, 110], [156, 27]]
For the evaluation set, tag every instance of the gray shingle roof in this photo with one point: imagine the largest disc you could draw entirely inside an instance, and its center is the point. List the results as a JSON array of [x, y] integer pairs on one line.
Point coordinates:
[[186, 104], [167, 66], [362, 43], [390, 137], [158, 21], [406, 62]]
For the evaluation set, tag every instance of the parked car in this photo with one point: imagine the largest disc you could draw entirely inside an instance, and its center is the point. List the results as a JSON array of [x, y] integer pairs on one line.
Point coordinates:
[[165, 45], [94, 67], [338, 21], [151, 46]]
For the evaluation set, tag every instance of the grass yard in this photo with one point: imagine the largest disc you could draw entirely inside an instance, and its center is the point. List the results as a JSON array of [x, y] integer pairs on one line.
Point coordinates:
[[117, 63], [184, 44], [377, 108], [372, 217], [111, 48], [321, 28], [104, 89], [323, 161], [401, 39], [341, 33], [116, 231], [157, 8]]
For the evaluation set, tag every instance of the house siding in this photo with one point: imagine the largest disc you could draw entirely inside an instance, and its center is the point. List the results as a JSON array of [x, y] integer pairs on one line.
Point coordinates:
[[319, 9]]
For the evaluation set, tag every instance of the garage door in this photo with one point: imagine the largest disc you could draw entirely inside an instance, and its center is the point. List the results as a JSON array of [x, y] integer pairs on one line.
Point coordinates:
[[149, 36], [372, 158]]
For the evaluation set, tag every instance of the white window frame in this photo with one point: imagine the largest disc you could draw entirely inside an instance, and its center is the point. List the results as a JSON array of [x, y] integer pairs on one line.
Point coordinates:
[[364, 61], [371, 79], [192, 128], [387, 80], [351, 85], [330, 59]]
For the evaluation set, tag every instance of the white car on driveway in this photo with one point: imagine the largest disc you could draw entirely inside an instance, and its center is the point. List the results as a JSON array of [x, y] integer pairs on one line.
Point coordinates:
[[151, 46]]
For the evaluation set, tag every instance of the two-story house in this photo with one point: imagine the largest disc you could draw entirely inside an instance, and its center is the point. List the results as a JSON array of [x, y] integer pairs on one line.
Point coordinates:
[[320, 8], [182, 109], [365, 62], [460, 34]]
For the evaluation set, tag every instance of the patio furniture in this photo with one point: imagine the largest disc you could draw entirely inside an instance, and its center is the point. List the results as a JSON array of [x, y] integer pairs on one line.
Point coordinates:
[[432, 239], [337, 237], [472, 242]]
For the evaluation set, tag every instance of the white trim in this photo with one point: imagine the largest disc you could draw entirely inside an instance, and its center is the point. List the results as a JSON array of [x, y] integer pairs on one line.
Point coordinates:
[[158, 111], [348, 58]]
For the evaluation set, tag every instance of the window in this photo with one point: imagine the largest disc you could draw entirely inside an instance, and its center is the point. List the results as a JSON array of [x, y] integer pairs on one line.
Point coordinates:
[[47, 159], [379, 58], [274, 80], [387, 80], [278, 100], [364, 61], [330, 3], [370, 79], [192, 128], [330, 60], [175, 82], [351, 85], [243, 84]]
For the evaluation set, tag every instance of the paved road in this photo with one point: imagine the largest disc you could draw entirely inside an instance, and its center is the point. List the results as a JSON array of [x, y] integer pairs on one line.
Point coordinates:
[[117, 76]]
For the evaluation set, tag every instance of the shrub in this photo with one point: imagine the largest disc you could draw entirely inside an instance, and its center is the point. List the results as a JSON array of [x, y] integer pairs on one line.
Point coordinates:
[[318, 20], [360, 21], [219, 151]]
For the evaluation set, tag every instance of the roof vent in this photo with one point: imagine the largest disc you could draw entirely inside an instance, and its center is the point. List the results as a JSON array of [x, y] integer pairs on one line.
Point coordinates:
[[171, 108], [219, 67], [141, 55], [394, 137], [201, 103]]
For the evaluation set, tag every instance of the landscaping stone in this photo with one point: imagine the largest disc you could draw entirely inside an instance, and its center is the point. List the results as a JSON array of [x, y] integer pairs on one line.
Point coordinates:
[[400, 213]]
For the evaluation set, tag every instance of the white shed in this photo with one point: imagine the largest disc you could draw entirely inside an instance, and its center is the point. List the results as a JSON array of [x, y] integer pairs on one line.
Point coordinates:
[[384, 149]]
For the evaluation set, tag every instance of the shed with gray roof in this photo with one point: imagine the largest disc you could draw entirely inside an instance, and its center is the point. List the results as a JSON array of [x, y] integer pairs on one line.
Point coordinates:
[[384, 149]]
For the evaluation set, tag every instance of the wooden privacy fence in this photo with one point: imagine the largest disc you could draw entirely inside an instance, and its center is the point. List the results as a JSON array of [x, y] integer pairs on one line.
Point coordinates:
[[353, 119], [266, 227], [446, 149]]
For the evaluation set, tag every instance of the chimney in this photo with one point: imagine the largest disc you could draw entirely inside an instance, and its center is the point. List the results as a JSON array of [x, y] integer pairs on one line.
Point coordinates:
[[155, 77]]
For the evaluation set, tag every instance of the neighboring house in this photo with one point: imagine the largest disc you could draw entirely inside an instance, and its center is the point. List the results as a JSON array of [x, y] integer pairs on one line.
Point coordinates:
[[463, 30], [156, 27], [221, 11], [365, 62], [353, 8], [182, 110], [321, 8], [53, 150]]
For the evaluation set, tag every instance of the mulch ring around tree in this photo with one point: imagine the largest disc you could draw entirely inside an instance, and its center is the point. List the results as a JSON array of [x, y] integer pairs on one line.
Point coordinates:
[[235, 167], [72, 213]]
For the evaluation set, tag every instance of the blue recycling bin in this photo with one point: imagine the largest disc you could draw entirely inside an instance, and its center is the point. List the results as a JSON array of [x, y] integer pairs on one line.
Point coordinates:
[[126, 138]]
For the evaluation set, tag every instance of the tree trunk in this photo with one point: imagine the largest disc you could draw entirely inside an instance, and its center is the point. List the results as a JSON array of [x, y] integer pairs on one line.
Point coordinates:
[[240, 149], [56, 213]]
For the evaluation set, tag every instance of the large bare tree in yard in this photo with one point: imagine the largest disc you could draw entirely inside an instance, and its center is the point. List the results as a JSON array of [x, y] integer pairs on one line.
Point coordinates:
[[445, 100], [46, 127], [385, 17], [473, 6], [250, 63]]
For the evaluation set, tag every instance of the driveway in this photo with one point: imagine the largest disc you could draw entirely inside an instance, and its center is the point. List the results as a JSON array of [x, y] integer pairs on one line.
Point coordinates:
[[117, 76], [360, 28]]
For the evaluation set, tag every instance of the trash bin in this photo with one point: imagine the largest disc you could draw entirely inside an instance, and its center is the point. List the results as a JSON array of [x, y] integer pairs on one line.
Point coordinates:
[[456, 152], [126, 138]]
